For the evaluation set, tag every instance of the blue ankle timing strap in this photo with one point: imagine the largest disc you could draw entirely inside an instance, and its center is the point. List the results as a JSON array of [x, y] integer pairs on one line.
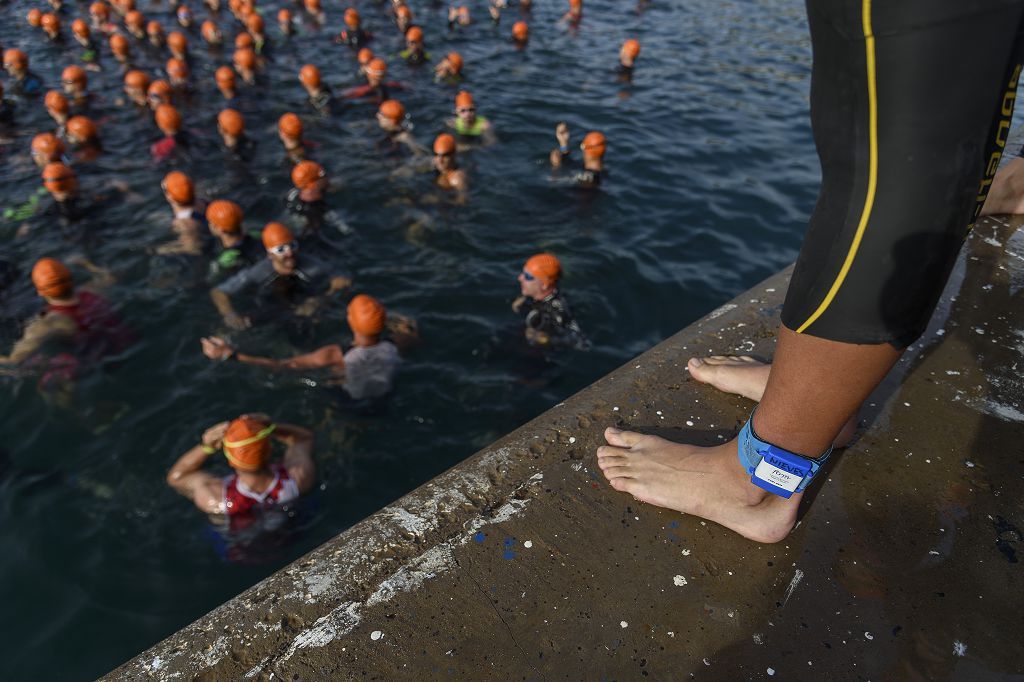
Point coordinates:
[[775, 469]]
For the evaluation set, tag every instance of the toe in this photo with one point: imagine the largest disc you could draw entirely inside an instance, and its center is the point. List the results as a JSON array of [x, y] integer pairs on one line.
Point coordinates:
[[608, 452], [623, 484], [622, 439], [615, 472]]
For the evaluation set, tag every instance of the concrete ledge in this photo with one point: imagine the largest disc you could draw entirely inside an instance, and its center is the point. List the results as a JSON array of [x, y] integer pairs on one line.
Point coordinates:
[[522, 563]]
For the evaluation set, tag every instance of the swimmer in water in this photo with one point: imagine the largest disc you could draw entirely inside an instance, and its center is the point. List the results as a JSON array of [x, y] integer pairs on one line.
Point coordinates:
[[84, 137], [403, 18], [353, 34], [449, 175], [23, 82], [135, 22], [628, 54], [122, 51], [414, 52], [367, 370], [188, 222], [74, 82], [449, 70], [520, 34], [467, 125], [46, 148], [57, 107], [315, 11], [225, 79], [548, 319], [319, 94], [231, 127], [257, 483], [211, 34], [238, 249], [99, 18], [306, 199], [298, 279], [51, 27], [375, 90], [159, 92], [257, 29], [174, 140], [285, 22], [245, 62], [289, 130], [83, 36], [177, 74], [392, 119], [155, 34], [458, 17], [593, 146], [575, 13]]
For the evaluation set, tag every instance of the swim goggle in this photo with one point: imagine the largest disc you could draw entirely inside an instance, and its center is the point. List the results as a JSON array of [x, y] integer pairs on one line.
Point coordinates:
[[282, 249]]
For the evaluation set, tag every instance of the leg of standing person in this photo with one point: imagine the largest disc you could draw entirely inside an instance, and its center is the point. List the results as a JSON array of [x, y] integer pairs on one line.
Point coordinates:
[[903, 119]]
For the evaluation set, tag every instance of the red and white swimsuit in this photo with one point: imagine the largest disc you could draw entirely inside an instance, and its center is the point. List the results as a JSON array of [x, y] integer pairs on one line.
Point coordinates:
[[239, 499]]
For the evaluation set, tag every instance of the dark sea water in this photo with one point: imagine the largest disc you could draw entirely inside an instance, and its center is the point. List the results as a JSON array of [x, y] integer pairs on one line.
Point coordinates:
[[712, 175]]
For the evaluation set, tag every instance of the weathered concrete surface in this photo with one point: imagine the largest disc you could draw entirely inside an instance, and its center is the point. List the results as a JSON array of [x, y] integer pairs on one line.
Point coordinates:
[[521, 563]]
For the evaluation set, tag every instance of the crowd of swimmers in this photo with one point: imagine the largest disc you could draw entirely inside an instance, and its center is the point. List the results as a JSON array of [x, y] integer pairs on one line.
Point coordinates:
[[288, 265]]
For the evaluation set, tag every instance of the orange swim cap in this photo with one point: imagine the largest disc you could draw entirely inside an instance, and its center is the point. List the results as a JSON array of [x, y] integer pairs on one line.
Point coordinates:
[[177, 68], [290, 125], [80, 28], [231, 122], [306, 173], [544, 267], [136, 79], [154, 28], [463, 100], [52, 278], [276, 234], [254, 23], [210, 32], [58, 178], [48, 145], [34, 18], [74, 74], [310, 76], [444, 144], [414, 34], [15, 57], [366, 315], [134, 19], [520, 31], [99, 9], [168, 119], [179, 188], [245, 58], [455, 59], [225, 216], [159, 89], [56, 101], [403, 11], [575, 4], [284, 17], [177, 41], [225, 77], [631, 47], [247, 443], [352, 18], [312, 6], [365, 56], [393, 110], [50, 22], [119, 45], [81, 128], [594, 144], [377, 66]]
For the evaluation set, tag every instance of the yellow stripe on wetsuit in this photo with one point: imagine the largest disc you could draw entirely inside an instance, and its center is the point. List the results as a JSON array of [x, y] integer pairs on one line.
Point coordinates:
[[869, 200]]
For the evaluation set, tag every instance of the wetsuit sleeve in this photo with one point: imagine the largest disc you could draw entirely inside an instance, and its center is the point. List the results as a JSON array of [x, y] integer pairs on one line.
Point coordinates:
[[246, 280], [910, 119]]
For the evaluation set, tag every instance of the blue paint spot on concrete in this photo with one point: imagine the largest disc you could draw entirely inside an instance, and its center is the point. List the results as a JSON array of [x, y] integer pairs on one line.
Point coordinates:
[[509, 542], [672, 537], [508, 554], [673, 524], [479, 537]]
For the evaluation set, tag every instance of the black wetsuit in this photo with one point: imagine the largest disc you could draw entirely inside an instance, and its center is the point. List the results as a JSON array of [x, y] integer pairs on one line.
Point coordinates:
[[911, 102], [231, 259], [312, 211], [354, 39], [553, 317], [6, 112], [28, 85]]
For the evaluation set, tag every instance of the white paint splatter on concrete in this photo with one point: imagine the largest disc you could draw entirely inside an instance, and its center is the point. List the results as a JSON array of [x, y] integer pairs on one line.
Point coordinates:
[[679, 581], [686, 552], [758, 638], [868, 636], [528, 544], [376, 634], [689, 422], [156, 664], [623, 624], [721, 310], [770, 671], [959, 648], [798, 575], [572, 439]]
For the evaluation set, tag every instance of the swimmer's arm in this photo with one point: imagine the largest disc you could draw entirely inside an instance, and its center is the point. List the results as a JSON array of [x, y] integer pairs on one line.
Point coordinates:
[[298, 458], [487, 137], [562, 136], [37, 333], [330, 357], [223, 304], [102, 278], [415, 147], [203, 488]]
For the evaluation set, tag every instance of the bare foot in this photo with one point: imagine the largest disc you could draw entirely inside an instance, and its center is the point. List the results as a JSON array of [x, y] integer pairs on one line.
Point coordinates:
[[739, 374], [747, 377], [705, 482]]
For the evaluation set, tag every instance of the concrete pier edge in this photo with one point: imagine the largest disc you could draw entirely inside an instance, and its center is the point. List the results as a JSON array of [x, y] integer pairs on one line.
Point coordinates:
[[521, 562]]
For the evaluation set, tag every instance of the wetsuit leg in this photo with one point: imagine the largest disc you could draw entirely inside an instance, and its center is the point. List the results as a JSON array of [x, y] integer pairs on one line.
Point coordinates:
[[910, 105]]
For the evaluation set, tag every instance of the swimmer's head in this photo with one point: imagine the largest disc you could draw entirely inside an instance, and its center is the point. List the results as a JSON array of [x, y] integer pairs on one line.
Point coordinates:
[[224, 216], [629, 52], [244, 60], [81, 130], [254, 24], [390, 115], [248, 444], [156, 33], [51, 24], [307, 174], [376, 70], [444, 145], [464, 105], [99, 12], [210, 33], [225, 78], [520, 32], [593, 145], [184, 15], [313, 6], [365, 56], [15, 61], [57, 104], [284, 20], [80, 29], [454, 60], [280, 244], [120, 47], [34, 18], [178, 188], [135, 22], [244, 40], [59, 180], [177, 70], [403, 17], [352, 19], [309, 76], [540, 275], [289, 127], [52, 279], [230, 125], [74, 80], [414, 37], [46, 148], [366, 316], [158, 93], [168, 119]]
